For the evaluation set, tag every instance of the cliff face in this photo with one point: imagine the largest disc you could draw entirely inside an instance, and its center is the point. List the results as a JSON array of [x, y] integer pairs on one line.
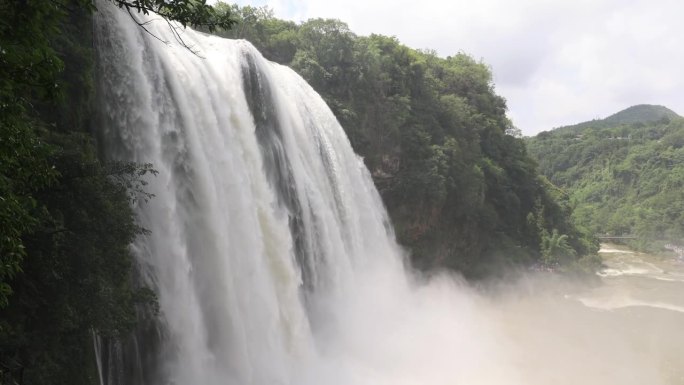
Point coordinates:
[[458, 184]]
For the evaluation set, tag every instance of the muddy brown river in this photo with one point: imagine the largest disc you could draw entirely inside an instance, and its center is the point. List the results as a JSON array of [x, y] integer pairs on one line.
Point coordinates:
[[626, 329]]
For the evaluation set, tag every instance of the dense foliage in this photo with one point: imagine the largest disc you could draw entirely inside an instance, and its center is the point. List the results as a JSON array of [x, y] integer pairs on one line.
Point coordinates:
[[457, 181], [625, 173], [65, 217]]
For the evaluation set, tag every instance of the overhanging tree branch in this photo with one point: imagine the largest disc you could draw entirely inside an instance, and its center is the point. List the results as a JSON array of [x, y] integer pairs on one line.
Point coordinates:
[[196, 13]]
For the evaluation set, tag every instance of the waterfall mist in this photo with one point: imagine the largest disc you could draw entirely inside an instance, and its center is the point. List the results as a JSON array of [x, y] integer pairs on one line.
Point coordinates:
[[271, 253]]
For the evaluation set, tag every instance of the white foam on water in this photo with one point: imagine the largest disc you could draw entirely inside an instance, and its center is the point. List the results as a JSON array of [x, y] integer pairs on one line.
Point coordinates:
[[626, 302], [610, 250]]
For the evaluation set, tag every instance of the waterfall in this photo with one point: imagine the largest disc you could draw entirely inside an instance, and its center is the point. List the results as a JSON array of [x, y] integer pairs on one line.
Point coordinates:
[[263, 217]]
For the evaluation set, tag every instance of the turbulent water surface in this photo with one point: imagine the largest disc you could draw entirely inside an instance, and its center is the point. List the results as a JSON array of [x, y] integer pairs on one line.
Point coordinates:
[[274, 262]]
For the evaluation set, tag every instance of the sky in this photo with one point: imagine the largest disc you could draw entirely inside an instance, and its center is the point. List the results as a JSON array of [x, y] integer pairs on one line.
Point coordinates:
[[557, 62]]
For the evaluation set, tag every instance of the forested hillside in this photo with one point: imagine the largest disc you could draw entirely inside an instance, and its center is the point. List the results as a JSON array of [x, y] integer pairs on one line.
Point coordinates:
[[624, 174], [456, 178]]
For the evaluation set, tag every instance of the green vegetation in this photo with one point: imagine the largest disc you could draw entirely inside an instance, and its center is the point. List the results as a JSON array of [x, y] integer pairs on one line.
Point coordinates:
[[65, 217], [624, 174], [457, 181]]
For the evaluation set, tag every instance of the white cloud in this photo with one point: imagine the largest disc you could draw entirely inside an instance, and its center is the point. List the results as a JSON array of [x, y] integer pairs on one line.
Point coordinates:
[[556, 62]]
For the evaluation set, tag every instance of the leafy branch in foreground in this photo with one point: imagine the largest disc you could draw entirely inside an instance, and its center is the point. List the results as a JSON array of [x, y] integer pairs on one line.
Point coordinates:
[[129, 176], [196, 13]]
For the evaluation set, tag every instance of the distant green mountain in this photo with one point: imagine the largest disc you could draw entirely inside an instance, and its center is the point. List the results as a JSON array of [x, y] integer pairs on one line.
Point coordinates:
[[642, 113], [624, 173], [639, 114]]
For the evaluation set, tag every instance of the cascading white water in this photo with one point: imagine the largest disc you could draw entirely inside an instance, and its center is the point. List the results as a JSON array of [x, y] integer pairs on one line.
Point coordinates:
[[260, 203], [271, 253]]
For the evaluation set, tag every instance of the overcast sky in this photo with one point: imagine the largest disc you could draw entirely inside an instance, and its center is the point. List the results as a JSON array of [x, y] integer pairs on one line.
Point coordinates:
[[556, 62]]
